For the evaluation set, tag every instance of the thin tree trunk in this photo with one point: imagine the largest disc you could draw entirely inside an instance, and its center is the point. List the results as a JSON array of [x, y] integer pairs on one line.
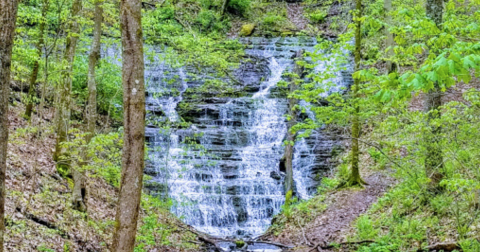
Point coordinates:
[[64, 110], [224, 6], [92, 63], [64, 99], [134, 127], [389, 42], [355, 178], [36, 64], [433, 101], [80, 186], [299, 71], [8, 17]]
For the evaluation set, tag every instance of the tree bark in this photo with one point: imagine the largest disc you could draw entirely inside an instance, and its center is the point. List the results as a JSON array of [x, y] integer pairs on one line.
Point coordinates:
[[389, 42], [224, 6], [79, 178], [92, 63], [64, 99], [36, 64], [433, 101], [79, 191], [64, 102], [134, 127], [299, 72], [8, 17], [355, 178]]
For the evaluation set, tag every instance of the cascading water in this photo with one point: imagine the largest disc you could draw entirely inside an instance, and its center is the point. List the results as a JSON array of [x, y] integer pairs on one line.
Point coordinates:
[[226, 180]]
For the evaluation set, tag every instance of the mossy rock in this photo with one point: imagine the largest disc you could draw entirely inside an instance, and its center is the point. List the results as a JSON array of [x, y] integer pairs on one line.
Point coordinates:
[[247, 29], [240, 243]]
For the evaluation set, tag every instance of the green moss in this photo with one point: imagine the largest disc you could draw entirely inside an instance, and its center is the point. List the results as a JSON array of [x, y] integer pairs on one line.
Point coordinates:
[[288, 197], [318, 16], [247, 29], [239, 7], [240, 243]]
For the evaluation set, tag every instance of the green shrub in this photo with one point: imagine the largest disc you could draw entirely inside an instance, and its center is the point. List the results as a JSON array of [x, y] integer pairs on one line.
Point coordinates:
[[239, 7], [317, 16], [206, 19], [365, 229], [328, 184], [470, 245], [273, 19]]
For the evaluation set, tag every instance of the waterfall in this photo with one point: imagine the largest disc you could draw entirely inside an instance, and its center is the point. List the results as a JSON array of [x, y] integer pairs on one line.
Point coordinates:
[[227, 182]]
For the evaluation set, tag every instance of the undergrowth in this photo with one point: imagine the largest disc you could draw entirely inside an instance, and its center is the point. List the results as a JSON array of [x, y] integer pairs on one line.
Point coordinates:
[[300, 212], [413, 215]]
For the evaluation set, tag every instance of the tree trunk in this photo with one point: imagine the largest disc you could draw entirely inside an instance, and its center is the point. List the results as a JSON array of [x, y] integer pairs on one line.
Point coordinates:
[[389, 42], [224, 6], [64, 102], [64, 98], [134, 127], [36, 64], [433, 101], [355, 178], [92, 63], [79, 191], [8, 17], [299, 72], [79, 178]]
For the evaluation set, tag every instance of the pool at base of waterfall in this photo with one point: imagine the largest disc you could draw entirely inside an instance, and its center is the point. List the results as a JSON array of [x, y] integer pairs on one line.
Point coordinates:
[[223, 172], [253, 247]]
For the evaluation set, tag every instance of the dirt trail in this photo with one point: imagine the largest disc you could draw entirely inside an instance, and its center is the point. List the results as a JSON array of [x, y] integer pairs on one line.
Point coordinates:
[[335, 222]]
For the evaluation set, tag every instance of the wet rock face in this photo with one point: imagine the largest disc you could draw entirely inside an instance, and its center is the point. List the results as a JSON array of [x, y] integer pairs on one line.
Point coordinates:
[[223, 171]]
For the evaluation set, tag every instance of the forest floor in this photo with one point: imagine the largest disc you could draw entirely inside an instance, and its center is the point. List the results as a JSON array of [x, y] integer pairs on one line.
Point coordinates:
[[38, 210], [333, 225], [296, 16]]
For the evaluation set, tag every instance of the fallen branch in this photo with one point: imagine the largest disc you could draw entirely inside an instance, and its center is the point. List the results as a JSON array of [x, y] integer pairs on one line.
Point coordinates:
[[213, 240], [145, 5], [204, 238], [44, 222], [270, 243], [319, 245], [441, 247]]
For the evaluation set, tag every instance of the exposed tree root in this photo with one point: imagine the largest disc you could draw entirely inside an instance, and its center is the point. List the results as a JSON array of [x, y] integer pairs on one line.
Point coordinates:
[[352, 182]]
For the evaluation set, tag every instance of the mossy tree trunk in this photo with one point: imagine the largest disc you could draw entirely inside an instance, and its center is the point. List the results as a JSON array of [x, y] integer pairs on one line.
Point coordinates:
[[64, 99], [433, 101], [224, 6], [299, 74], [80, 188], [36, 64], [63, 106], [355, 178], [389, 41], [92, 63], [8, 17], [134, 127]]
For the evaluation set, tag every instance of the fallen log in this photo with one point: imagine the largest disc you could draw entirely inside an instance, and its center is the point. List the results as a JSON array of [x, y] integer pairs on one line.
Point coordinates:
[[44, 222], [441, 247]]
